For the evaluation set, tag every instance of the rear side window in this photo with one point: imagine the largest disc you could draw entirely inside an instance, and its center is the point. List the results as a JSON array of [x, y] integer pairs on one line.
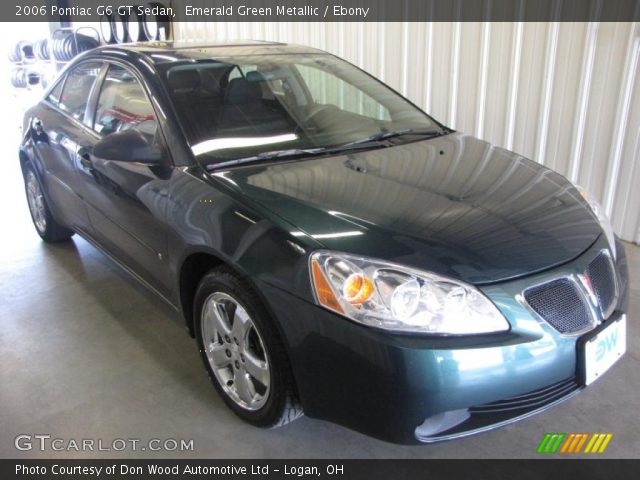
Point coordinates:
[[56, 93], [77, 88], [123, 105]]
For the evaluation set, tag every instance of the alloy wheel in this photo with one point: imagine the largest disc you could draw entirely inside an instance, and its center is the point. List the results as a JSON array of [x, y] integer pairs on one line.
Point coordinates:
[[235, 351], [35, 200]]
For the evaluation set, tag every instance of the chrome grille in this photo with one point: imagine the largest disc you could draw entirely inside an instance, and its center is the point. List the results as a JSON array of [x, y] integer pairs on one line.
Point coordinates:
[[561, 304], [600, 272]]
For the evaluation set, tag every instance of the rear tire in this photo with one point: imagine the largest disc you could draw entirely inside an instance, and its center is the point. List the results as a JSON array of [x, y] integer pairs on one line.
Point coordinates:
[[49, 230], [242, 351]]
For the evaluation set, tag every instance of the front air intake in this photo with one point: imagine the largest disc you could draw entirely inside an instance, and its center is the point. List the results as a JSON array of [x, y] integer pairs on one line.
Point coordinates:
[[603, 280], [561, 304]]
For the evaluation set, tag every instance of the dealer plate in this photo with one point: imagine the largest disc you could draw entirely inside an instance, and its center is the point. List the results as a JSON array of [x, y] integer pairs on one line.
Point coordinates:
[[605, 349]]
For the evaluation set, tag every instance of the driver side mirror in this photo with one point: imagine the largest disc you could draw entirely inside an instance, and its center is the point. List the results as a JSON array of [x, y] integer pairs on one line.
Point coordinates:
[[128, 146]]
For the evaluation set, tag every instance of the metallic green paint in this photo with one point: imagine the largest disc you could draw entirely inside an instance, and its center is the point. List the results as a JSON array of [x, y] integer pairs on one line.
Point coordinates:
[[455, 205]]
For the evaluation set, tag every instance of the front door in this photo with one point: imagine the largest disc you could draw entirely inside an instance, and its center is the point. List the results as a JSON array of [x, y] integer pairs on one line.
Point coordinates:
[[125, 200]]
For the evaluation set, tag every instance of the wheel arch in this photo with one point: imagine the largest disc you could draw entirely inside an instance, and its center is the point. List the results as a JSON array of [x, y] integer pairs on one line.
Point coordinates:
[[28, 154], [194, 266], [24, 158]]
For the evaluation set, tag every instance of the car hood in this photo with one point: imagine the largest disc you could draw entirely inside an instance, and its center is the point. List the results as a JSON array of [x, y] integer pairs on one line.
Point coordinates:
[[454, 205]]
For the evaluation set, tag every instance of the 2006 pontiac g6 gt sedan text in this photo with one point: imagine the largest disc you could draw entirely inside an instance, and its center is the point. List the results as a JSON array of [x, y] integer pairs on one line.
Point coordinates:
[[333, 248]]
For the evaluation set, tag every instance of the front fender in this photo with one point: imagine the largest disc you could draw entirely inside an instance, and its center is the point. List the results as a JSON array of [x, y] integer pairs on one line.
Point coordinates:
[[204, 217]]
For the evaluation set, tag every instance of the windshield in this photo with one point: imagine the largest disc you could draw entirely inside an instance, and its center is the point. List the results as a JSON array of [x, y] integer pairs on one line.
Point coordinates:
[[244, 106]]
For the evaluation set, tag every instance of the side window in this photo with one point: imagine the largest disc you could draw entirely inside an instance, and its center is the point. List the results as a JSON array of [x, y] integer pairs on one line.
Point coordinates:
[[235, 73], [327, 88], [123, 105], [240, 71], [77, 87], [56, 93]]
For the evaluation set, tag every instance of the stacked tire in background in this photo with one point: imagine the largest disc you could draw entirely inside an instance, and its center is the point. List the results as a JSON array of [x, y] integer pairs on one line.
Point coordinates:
[[66, 45], [22, 52], [21, 77], [133, 26], [36, 63], [24, 74]]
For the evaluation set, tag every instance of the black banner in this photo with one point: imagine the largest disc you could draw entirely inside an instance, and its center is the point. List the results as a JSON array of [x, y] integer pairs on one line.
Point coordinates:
[[306, 469], [328, 10]]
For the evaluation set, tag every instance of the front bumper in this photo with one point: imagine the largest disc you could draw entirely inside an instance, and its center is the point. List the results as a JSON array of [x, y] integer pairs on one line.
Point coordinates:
[[387, 385]]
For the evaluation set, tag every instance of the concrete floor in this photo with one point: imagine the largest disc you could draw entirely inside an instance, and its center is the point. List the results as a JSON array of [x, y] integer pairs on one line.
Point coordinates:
[[85, 352]]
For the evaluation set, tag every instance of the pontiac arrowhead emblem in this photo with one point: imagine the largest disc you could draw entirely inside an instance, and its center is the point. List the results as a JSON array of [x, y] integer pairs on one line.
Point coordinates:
[[588, 286]]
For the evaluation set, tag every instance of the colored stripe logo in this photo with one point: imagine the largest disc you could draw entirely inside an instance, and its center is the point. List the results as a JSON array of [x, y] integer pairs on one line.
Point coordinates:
[[573, 443]]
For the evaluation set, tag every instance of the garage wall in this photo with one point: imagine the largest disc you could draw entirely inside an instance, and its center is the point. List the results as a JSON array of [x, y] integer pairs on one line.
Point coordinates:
[[564, 94]]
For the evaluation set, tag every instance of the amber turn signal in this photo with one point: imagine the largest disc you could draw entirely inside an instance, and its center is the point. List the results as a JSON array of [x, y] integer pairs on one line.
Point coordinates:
[[324, 293]]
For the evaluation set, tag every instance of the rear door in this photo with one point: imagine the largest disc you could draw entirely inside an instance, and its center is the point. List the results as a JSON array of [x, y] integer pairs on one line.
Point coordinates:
[[125, 200], [59, 127]]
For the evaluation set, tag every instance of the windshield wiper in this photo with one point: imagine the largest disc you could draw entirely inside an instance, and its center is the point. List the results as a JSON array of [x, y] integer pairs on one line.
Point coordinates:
[[294, 152], [272, 155], [385, 134], [373, 141]]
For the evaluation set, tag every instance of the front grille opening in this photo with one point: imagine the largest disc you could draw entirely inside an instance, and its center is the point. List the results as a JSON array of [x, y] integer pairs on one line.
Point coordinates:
[[457, 423], [560, 303], [531, 400], [600, 272]]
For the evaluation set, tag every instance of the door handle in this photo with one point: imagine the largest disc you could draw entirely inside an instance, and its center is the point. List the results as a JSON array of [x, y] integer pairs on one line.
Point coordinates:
[[85, 158], [37, 126], [83, 151], [86, 162]]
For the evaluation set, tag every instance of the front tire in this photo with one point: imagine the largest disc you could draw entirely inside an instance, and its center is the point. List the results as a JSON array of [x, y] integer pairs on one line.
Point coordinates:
[[242, 352], [46, 226]]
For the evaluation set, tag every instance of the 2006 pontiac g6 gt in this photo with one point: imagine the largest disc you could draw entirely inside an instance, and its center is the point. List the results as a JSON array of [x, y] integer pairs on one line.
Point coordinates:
[[333, 249]]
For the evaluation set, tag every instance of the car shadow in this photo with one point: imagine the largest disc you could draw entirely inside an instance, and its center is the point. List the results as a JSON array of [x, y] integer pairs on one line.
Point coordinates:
[[136, 309]]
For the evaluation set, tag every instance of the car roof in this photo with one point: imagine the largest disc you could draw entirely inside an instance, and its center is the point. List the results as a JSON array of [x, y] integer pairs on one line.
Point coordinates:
[[169, 51]]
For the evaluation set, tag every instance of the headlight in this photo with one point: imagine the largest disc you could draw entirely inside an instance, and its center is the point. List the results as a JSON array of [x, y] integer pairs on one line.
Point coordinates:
[[391, 297], [605, 223]]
